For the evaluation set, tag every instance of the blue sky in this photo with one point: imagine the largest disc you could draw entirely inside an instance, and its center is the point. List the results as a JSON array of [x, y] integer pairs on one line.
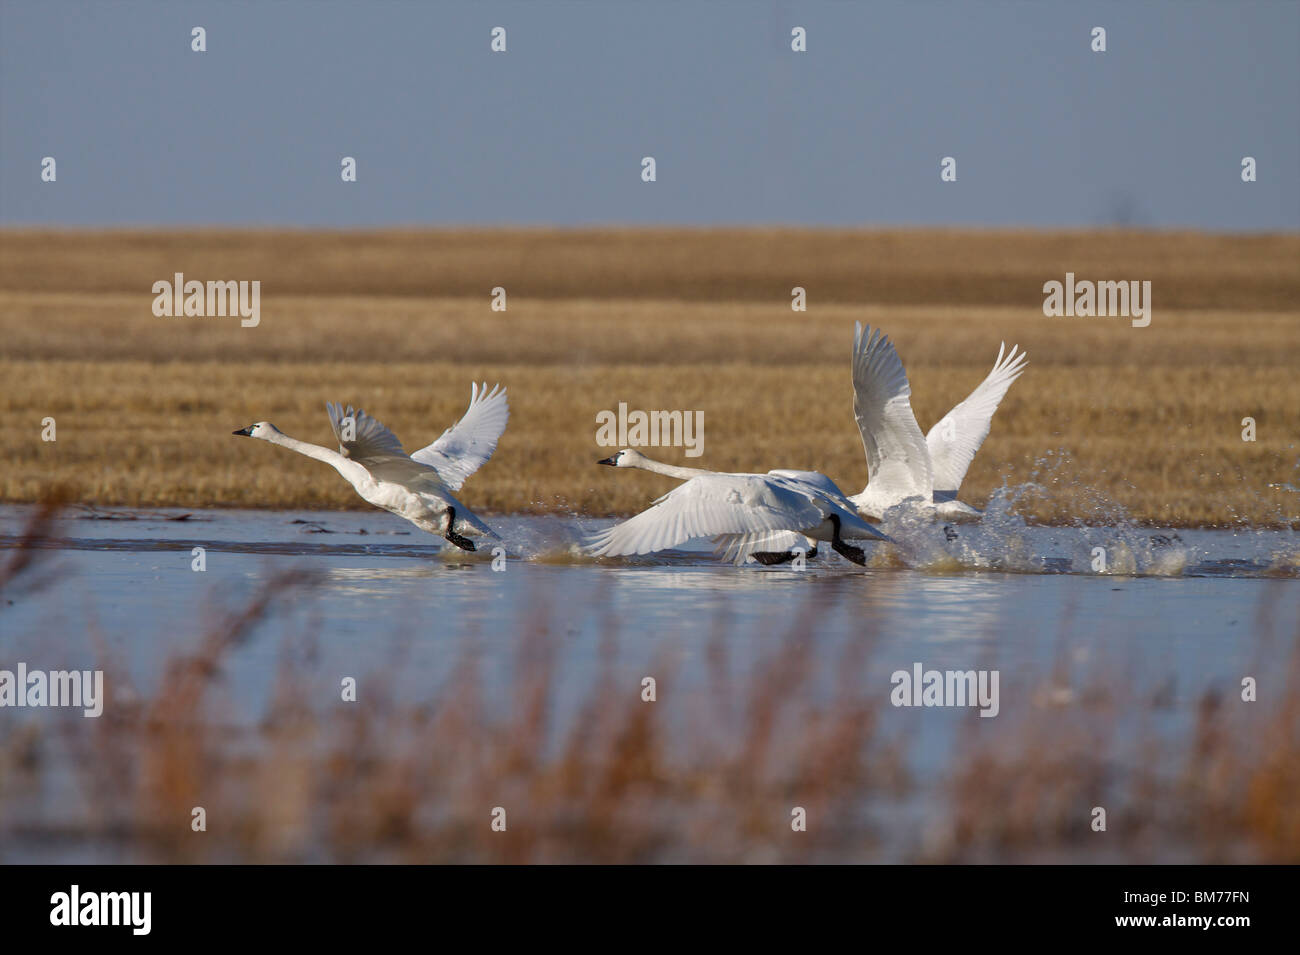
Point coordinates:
[[744, 131]]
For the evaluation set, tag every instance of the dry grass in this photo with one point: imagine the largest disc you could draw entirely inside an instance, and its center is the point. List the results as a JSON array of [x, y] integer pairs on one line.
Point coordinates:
[[1146, 418], [706, 776]]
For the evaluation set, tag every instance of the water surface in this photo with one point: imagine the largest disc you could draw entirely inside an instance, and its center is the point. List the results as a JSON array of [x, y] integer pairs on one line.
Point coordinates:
[[1195, 605]]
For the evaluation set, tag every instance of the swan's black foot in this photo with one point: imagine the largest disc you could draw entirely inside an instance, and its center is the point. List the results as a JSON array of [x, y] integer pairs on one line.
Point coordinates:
[[464, 543], [949, 533], [769, 558], [849, 552]]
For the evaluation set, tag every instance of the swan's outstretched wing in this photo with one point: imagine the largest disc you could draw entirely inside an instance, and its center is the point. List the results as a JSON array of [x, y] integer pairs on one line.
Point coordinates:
[[955, 439], [365, 437], [709, 506], [898, 461], [466, 445]]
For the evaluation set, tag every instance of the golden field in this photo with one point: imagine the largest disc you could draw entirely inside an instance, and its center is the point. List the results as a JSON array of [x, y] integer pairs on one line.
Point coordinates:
[[1111, 420]]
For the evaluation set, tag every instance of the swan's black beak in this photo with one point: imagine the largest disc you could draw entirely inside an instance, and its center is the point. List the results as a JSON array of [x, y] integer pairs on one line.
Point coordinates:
[[246, 432], [610, 461]]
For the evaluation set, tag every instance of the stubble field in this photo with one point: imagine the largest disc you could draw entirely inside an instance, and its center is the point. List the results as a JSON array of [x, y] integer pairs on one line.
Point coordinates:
[[1112, 421]]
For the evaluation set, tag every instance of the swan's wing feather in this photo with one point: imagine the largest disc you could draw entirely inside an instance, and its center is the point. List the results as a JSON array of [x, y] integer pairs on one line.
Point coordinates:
[[709, 506], [466, 446], [814, 478], [399, 469], [821, 486], [898, 461], [959, 434], [852, 525], [369, 438]]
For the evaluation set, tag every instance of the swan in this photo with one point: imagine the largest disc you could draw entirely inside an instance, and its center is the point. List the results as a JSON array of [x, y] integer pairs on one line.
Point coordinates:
[[417, 488], [740, 510], [901, 464]]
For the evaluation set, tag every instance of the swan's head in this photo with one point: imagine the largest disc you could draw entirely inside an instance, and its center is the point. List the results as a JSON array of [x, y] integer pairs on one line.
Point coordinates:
[[627, 458], [262, 429]]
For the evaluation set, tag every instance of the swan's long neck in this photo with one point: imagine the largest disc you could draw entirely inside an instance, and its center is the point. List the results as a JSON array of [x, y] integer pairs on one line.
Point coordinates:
[[669, 470], [328, 455]]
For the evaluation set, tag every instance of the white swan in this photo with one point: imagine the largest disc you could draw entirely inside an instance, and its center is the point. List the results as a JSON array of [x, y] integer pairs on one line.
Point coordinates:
[[741, 510], [372, 460], [901, 464]]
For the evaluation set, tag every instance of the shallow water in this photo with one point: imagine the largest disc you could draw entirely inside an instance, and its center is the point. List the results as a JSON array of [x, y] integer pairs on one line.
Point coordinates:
[[1196, 604]]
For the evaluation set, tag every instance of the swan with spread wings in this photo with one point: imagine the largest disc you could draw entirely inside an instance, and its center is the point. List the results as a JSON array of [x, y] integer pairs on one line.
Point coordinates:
[[416, 487], [903, 463]]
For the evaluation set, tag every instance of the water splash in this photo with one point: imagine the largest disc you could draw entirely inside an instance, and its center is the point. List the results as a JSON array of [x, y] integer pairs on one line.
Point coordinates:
[[1103, 542]]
